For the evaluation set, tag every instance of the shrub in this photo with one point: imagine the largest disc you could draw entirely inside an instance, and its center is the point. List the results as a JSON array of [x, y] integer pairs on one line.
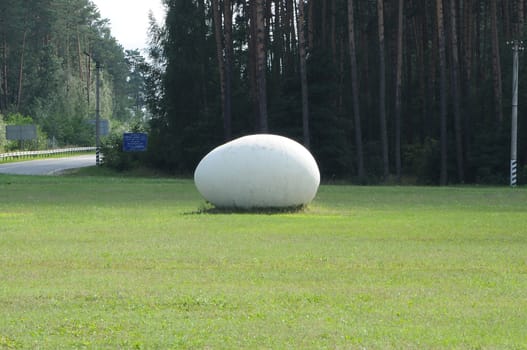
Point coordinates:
[[113, 155]]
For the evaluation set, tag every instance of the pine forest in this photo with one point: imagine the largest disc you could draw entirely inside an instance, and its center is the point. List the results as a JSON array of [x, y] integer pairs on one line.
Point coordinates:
[[380, 91]]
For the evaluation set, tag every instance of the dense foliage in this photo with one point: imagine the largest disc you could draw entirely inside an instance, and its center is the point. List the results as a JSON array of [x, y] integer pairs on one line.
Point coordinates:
[[433, 84], [48, 50]]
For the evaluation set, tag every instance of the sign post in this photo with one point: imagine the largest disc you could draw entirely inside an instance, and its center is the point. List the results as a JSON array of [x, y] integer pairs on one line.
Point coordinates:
[[97, 114], [97, 108], [516, 47]]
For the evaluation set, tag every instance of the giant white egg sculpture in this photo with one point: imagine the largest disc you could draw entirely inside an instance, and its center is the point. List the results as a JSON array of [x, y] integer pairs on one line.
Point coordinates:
[[258, 171]]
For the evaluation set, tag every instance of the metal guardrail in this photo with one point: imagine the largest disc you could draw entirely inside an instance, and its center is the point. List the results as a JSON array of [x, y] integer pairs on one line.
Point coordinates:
[[44, 153]]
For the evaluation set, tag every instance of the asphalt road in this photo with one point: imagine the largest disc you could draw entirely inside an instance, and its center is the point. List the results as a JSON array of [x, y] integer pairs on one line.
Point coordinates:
[[47, 166]]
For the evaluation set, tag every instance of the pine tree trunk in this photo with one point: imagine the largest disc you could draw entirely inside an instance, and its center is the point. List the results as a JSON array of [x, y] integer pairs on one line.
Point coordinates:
[[521, 17], [203, 56], [278, 41], [268, 16], [419, 36], [456, 92], [227, 114], [293, 34], [382, 90], [286, 25], [21, 71], [398, 90], [250, 10], [261, 65], [432, 53], [88, 77], [290, 37], [443, 92], [334, 57], [221, 61], [468, 26], [334, 31], [5, 75], [355, 90], [467, 43], [323, 26], [505, 14], [80, 55], [310, 24], [341, 61], [496, 64], [303, 74]]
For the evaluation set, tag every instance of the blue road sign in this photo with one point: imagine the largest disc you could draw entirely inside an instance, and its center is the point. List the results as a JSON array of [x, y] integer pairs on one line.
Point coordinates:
[[134, 142]]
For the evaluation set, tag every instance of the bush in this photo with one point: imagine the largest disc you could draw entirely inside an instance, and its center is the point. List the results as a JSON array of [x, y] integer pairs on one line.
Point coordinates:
[[114, 157]]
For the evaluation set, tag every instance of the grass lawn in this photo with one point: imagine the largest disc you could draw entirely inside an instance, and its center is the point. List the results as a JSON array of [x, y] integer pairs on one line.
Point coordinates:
[[109, 262]]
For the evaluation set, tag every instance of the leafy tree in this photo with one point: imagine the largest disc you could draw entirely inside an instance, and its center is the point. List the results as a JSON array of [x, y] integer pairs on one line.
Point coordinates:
[[46, 74], [136, 84]]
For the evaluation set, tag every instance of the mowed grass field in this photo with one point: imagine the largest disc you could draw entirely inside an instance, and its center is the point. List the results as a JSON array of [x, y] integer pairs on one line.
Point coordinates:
[[109, 263]]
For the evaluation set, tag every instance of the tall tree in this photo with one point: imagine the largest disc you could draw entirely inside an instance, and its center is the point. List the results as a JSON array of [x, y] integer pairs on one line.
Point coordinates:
[[249, 9], [443, 91], [291, 41], [456, 91], [261, 64], [21, 70], [227, 115], [333, 32], [303, 73], [310, 24], [355, 90], [521, 17], [278, 40], [398, 89], [382, 90], [222, 58], [136, 82], [496, 64]]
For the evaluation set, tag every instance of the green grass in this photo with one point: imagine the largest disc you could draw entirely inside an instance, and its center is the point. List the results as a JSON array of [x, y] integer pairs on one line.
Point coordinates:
[[110, 262]]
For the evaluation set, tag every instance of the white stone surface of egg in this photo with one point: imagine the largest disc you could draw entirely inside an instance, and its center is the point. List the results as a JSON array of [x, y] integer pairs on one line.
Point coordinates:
[[258, 171]]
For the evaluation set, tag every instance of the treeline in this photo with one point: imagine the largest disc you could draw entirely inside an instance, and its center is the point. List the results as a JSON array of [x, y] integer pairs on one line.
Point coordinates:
[[378, 90], [48, 50]]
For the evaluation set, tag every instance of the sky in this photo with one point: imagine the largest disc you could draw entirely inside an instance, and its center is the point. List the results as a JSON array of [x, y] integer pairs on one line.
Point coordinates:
[[129, 19]]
